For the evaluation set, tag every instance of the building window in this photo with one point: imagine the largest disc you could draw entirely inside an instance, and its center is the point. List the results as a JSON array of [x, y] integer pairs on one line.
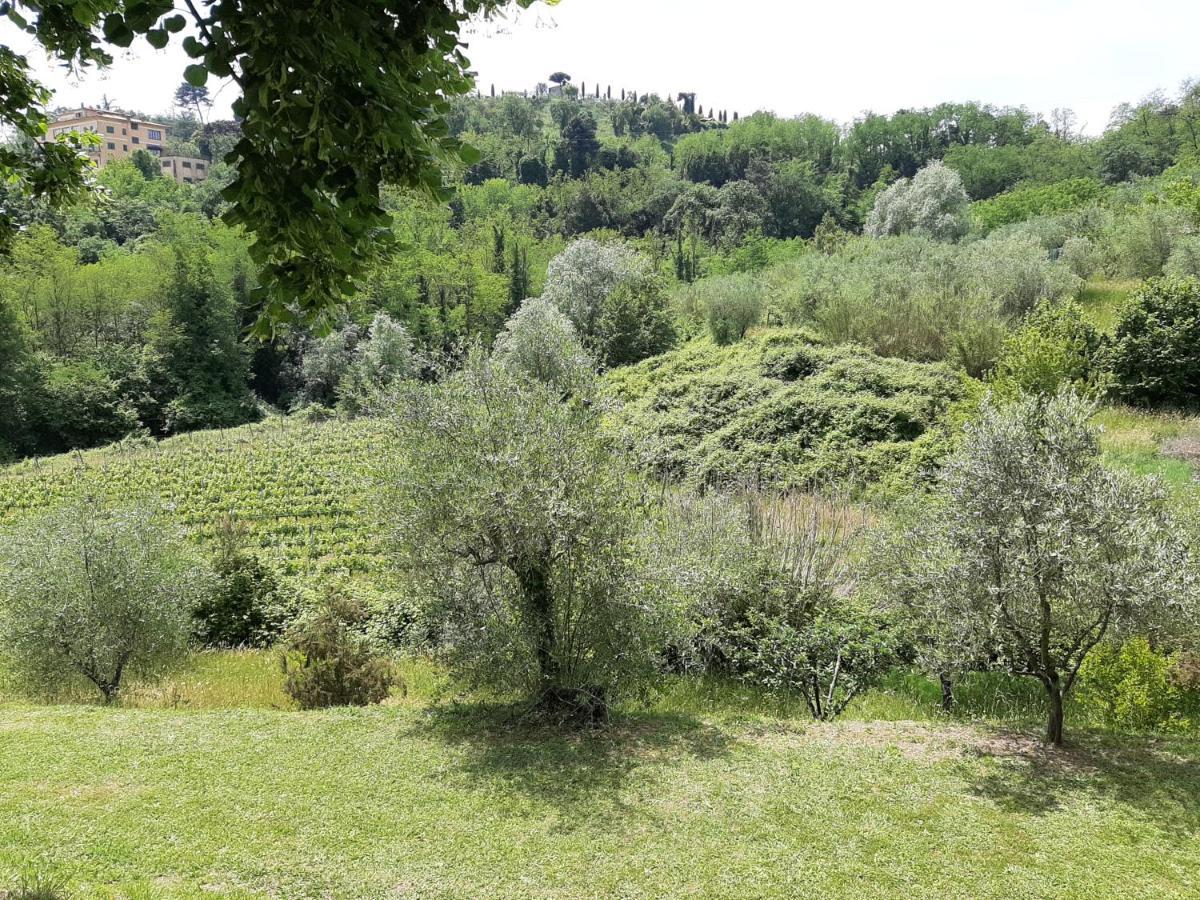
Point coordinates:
[[110, 130], [166, 164], [186, 164], [154, 134], [136, 140], [125, 147], [123, 131], [112, 146], [200, 166], [133, 125]]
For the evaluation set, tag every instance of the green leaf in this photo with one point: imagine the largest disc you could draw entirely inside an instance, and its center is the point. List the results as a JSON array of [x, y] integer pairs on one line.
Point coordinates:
[[469, 155], [157, 38], [174, 24], [195, 75], [193, 47]]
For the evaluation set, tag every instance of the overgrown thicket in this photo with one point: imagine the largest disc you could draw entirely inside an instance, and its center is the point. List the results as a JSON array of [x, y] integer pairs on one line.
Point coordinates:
[[781, 407]]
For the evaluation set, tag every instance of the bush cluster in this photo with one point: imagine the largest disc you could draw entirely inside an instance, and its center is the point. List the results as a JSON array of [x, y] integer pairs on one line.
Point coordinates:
[[327, 662]]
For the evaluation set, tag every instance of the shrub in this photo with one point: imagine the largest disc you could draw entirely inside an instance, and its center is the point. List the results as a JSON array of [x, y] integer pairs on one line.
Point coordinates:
[[1143, 239], [1056, 346], [919, 299], [933, 204], [1080, 255], [1025, 203], [327, 663], [1131, 686], [763, 577], [97, 593], [1156, 345], [1184, 261], [1017, 273], [731, 305], [247, 607], [829, 658]]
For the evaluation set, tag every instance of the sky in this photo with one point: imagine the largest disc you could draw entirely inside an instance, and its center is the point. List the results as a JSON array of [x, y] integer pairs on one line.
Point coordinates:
[[836, 59]]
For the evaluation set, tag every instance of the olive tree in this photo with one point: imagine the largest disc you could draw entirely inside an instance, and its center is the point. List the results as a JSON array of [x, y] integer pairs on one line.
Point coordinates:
[[95, 592], [540, 342], [1030, 552], [511, 507], [933, 204], [377, 365]]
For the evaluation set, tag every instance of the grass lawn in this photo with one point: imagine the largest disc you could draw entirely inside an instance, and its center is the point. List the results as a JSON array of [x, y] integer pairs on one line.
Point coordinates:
[[708, 792], [1102, 299], [1153, 443]]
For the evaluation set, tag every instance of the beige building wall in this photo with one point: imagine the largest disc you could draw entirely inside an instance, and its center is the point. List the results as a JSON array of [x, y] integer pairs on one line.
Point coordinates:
[[122, 135], [185, 169]]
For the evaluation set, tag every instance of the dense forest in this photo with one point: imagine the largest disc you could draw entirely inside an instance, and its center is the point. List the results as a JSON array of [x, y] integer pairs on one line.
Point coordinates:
[[129, 313]]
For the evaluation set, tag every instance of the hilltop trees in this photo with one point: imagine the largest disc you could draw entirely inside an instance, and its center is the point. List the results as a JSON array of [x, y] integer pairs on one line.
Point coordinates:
[[1030, 552]]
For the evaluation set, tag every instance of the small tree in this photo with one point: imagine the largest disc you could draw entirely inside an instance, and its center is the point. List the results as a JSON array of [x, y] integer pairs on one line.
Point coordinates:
[[731, 305], [1030, 552], [246, 607], [510, 505], [933, 204], [95, 592], [378, 365], [540, 342]]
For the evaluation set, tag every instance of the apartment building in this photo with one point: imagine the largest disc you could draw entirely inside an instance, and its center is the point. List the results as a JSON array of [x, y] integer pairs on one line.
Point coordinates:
[[187, 169], [121, 135]]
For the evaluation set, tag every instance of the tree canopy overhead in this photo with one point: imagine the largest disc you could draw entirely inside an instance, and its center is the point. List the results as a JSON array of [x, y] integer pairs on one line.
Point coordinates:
[[337, 99]]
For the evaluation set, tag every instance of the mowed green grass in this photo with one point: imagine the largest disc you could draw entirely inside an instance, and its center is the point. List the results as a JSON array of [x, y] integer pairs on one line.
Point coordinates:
[[706, 792]]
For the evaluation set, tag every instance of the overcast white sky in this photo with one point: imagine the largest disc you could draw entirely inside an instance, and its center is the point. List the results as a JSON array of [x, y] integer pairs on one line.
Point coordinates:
[[836, 59]]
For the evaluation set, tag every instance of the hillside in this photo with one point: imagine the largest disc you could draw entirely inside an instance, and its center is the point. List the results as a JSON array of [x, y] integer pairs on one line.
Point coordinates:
[[296, 487]]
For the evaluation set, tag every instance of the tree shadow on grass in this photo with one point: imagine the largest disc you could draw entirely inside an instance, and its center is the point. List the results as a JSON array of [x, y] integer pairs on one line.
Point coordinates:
[[582, 773], [1156, 779]]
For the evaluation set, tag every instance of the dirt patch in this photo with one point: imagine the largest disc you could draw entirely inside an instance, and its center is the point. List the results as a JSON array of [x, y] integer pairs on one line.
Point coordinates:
[[1185, 448]]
